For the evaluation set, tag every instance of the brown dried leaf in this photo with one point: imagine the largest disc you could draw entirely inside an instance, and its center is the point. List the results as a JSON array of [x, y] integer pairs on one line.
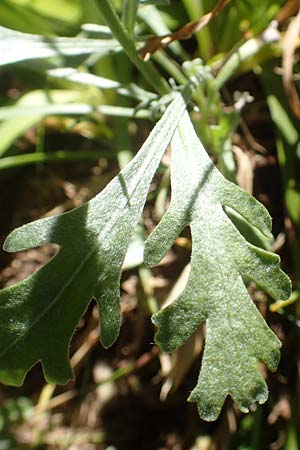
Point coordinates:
[[185, 32], [244, 174], [289, 9], [290, 43]]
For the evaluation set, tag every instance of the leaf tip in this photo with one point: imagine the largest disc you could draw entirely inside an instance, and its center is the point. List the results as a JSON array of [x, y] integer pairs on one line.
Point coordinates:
[[109, 329], [57, 374], [286, 287], [107, 341], [206, 412], [10, 245], [17, 241]]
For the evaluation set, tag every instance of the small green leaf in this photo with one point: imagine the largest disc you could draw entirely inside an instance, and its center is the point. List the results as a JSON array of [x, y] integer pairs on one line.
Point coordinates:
[[237, 336], [38, 315]]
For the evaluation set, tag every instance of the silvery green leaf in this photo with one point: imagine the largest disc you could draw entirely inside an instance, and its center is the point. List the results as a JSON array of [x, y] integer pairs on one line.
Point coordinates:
[[38, 315], [237, 337]]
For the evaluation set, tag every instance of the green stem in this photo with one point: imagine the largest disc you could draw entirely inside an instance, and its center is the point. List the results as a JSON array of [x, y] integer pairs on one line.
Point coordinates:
[[129, 14], [170, 66], [295, 296], [255, 47], [147, 69], [195, 10], [257, 428], [10, 162], [40, 144], [72, 109]]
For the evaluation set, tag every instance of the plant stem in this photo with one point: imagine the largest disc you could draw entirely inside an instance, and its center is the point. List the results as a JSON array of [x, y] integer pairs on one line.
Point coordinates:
[[195, 10], [295, 296], [72, 109], [170, 66], [129, 14], [255, 47], [10, 162], [147, 69]]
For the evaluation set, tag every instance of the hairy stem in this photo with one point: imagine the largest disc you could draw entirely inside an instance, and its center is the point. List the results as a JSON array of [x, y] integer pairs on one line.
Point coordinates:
[[147, 69]]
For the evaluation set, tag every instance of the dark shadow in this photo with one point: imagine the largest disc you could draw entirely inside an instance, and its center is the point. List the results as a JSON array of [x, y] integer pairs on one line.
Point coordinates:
[[140, 421]]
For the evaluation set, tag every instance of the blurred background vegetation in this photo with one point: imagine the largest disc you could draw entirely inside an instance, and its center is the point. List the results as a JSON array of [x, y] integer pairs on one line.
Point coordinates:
[[74, 109]]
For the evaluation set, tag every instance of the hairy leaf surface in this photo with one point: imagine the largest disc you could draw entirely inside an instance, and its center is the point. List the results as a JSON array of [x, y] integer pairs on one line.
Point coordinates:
[[237, 337], [38, 315]]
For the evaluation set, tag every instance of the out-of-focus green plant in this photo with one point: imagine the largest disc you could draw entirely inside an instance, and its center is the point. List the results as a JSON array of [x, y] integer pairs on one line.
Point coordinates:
[[12, 412]]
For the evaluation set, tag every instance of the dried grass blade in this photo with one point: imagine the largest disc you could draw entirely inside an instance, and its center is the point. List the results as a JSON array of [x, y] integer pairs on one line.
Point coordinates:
[[290, 43], [185, 32]]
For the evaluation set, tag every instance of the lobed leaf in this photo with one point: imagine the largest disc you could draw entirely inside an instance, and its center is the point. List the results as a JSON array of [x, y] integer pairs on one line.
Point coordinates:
[[237, 337], [38, 315]]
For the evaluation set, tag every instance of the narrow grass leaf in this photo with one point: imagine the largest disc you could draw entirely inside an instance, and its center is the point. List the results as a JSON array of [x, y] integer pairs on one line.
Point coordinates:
[[19, 47], [89, 79]]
